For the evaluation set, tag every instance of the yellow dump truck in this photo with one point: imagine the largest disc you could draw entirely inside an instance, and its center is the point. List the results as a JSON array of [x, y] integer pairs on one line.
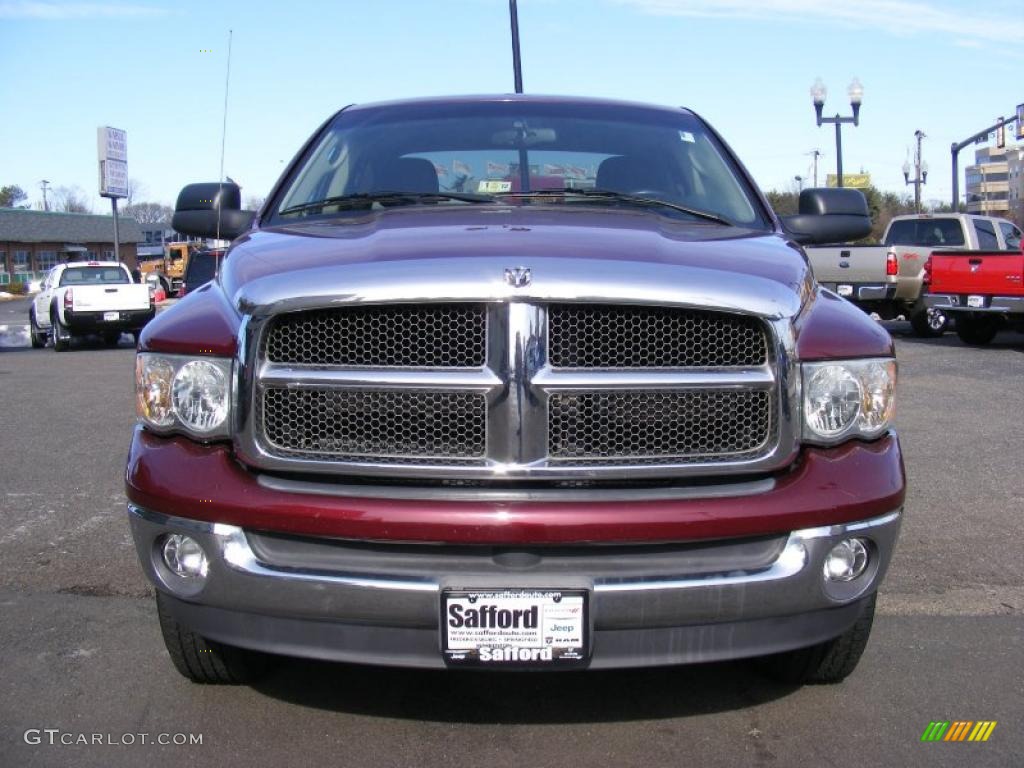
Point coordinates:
[[170, 268]]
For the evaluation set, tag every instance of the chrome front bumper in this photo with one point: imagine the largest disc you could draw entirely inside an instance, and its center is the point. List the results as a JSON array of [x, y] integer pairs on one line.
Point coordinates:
[[380, 603]]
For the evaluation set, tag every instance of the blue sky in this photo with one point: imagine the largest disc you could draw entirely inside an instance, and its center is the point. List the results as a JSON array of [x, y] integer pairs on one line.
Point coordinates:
[[157, 68]]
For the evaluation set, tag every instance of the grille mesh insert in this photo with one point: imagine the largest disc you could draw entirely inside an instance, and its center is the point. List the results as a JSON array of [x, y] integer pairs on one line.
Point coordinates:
[[414, 336], [338, 423], [606, 336], [691, 425]]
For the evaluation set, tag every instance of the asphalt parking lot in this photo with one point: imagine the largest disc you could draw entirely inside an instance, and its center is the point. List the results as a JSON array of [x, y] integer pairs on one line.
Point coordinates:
[[82, 652]]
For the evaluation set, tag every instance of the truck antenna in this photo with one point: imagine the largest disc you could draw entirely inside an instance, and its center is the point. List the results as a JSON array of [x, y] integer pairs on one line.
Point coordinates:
[[517, 64], [223, 139]]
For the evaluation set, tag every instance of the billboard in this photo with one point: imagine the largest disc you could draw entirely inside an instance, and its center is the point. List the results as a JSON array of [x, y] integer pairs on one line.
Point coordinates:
[[852, 180], [112, 150], [1020, 121]]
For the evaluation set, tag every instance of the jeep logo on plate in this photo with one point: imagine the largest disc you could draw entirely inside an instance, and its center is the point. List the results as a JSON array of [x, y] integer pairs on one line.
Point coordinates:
[[518, 277]]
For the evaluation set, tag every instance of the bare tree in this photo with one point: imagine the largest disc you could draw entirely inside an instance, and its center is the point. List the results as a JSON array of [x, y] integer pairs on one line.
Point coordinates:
[[69, 200], [254, 202], [149, 213], [136, 190]]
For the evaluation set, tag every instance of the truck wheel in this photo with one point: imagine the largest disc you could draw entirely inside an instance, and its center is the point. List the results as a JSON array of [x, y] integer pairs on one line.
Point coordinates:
[[828, 662], [36, 334], [976, 331], [206, 661], [166, 285], [928, 322], [61, 337]]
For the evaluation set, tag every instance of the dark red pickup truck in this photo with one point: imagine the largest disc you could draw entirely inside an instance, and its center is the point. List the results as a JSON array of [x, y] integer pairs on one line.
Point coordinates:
[[982, 290], [430, 423]]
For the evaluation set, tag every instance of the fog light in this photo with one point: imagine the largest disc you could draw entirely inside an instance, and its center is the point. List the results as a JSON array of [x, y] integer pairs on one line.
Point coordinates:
[[846, 561], [185, 557]]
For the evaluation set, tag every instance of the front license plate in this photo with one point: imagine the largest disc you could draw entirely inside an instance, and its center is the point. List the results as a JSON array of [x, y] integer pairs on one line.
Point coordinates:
[[976, 301], [514, 627], [844, 290], [111, 317]]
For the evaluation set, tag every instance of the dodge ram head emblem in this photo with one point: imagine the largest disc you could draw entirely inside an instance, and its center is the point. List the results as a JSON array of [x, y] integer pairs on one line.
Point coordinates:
[[518, 277]]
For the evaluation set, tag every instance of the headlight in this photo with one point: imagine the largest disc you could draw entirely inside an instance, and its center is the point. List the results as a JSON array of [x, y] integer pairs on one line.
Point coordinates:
[[848, 398], [175, 393]]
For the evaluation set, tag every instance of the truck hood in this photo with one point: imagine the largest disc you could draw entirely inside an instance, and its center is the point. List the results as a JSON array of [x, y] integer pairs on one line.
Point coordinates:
[[462, 253]]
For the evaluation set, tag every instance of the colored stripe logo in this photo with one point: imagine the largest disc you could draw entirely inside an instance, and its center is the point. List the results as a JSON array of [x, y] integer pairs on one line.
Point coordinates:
[[958, 730]]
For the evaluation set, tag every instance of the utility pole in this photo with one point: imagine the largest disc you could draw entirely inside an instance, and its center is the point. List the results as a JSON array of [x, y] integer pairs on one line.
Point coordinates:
[[44, 183], [817, 153], [920, 172]]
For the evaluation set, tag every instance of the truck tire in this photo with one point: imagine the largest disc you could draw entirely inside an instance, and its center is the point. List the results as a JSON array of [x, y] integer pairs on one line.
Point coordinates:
[[828, 662], [205, 661], [36, 334], [928, 323], [61, 337], [976, 331]]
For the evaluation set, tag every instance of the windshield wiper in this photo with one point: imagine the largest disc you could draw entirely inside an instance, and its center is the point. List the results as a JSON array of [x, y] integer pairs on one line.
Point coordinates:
[[610, 195], [359, 199]]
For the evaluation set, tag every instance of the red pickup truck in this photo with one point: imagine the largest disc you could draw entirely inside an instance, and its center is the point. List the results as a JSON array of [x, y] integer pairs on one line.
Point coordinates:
[[427, 424], [982, 290]]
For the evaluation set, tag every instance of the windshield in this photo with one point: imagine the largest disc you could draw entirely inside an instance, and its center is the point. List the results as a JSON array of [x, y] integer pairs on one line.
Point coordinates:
[[925, 232], [487, 152], [94, 276]]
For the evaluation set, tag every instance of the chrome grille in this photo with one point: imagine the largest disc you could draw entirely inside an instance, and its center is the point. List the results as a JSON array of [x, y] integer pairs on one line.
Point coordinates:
[[611, 336], [517, 390], [686, 425], [336, 423], [381, 336]]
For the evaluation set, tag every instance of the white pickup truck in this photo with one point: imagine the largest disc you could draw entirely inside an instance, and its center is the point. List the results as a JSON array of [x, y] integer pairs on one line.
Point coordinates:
[[85, 297], [886, 279]]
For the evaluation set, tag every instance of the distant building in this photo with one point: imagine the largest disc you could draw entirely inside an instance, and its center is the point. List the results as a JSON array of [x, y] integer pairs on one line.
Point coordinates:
[[1015, 172], [987, 182], [155, 235], [31, 242]]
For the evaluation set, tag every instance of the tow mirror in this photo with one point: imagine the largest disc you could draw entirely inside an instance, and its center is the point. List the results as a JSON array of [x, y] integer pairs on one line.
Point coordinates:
[[829, 216], [211, 210]]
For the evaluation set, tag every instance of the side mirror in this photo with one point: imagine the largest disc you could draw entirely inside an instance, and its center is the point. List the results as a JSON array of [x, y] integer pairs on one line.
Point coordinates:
[[829, 216], [211, 210]]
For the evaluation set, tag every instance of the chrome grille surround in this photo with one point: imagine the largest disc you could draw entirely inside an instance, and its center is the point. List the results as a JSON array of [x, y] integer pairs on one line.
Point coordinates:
[[516, 386]]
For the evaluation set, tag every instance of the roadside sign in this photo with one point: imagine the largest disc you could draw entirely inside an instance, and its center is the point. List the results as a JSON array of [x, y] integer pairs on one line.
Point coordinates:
[[112, 144], [1020, 121], [112, 150], [113, 178], [852, 180]]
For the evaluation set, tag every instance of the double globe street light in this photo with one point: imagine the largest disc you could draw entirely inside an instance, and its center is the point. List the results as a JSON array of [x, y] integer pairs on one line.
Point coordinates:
[[856, 94]]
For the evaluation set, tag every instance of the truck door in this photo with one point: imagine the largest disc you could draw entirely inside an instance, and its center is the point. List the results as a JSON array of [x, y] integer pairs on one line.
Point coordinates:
[[41, 303]]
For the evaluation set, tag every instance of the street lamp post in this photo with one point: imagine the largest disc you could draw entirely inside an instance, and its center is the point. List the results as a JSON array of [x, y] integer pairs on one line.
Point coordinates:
[[799, 183], [856, 94], [920, 172]]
